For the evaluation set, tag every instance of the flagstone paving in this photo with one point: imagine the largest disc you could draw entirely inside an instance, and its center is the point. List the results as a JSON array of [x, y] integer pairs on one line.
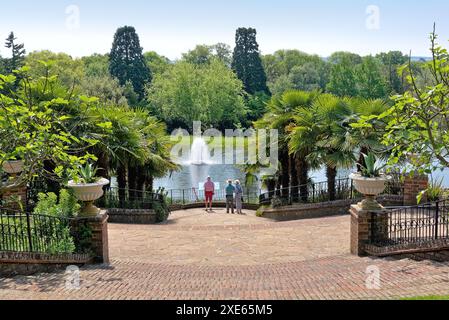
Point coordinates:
[[218, 256]]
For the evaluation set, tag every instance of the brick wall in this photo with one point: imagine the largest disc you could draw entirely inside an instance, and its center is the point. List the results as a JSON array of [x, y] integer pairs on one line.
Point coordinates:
[[132, 216], [10, 197], [99, 241], [413, 185]]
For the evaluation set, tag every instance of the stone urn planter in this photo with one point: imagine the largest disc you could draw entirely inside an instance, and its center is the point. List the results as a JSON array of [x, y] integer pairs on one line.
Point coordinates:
[[13, 167], [88, 193], [370, 188]]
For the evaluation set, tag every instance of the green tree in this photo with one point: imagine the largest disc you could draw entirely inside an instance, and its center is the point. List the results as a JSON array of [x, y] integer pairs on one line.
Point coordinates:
[[343, 78], [157, 63], [392, 61], [247, 62], [371, 84], [223, 52], [127, 62], [69, 71], [202, 54], [107, 89], [17, 54], [186, 92], [96, 65]]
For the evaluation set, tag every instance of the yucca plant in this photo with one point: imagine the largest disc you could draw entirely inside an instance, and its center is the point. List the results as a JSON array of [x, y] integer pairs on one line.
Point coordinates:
[[88, 173], [372, 167]]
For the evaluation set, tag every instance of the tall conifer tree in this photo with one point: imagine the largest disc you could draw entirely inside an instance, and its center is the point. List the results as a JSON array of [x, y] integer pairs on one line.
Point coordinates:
[[247, 63], [127, 62]]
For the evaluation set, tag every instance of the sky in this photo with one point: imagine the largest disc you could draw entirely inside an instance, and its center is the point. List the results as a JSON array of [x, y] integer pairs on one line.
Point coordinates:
[[171, 27]]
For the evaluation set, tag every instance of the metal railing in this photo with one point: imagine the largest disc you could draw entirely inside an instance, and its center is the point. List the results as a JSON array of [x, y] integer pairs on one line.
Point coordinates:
[[26, 232], [194, 195], [415, 226], [319, 192], [129, 199]]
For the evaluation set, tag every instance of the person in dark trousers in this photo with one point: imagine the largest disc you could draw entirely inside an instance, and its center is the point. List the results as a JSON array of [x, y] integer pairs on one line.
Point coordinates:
[[238, 197], [230, 189]]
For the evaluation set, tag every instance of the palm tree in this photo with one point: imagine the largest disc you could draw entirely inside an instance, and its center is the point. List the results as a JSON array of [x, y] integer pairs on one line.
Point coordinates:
[[280, 116], [364, 139], [330, 149]]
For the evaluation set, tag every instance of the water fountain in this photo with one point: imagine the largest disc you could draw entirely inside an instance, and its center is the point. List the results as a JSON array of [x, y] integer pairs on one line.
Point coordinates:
[[199, 153]]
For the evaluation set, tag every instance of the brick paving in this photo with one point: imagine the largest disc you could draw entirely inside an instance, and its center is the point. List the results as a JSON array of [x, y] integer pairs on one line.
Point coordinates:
[[219, 256]]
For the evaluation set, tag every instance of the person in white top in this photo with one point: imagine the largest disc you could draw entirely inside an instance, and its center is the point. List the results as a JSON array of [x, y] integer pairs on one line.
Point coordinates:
[[209, 191]]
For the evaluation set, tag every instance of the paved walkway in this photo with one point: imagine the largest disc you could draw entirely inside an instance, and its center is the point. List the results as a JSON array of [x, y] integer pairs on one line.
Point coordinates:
[[219, 256]]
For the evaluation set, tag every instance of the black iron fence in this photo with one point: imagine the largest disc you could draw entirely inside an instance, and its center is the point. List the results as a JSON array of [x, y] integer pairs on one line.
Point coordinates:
[[129, 199], [415, 226], [194, 195], [26, 232], [320, 192]]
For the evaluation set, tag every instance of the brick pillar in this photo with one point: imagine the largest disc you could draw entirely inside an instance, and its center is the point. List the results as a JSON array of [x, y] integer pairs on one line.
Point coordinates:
[[15, 198], [99, 241], [413, 185], [361, 227]]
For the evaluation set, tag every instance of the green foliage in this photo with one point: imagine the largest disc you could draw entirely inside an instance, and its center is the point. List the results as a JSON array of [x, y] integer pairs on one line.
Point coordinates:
[[162, 210], [417, 122], [343, 77], [247, 63], [86, 174], [293, 69], [372, 167], [96, 65], [434, 192], [204, 54], [371, 84], [41, 120], [127, 62], [392, 61], [69, 71], [157, 63], [108, 90], [210, 93], [66, 207]]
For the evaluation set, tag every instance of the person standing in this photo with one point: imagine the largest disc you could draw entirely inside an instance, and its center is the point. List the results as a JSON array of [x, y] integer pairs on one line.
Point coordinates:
[[238, 197], [230, 189], [209, 191]]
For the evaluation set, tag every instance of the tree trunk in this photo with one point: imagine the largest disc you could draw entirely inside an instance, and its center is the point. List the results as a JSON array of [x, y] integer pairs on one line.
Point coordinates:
[[303, 174], [140, 181], [132, 182], [294, 179], [285, 174], [271, 186], [331, 174], [121, 181], [52, 184], [149, 184]]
